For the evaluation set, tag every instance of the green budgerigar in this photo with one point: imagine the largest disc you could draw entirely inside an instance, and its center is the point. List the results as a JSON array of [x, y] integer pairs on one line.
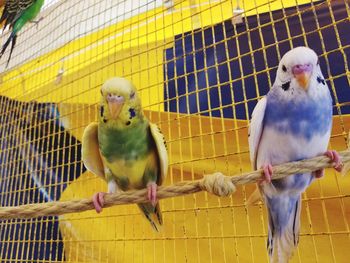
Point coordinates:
[[16, 14], [125, 149]]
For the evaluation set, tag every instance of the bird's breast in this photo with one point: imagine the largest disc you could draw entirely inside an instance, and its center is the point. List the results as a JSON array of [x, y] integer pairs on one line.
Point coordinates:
[[127, 154], [305, 118], [293, 132], [130, 145], [278, 147]]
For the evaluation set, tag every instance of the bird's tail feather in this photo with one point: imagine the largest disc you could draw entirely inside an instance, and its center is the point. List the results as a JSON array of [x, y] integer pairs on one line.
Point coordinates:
[[283, 238], [12, 39], [153, 214]]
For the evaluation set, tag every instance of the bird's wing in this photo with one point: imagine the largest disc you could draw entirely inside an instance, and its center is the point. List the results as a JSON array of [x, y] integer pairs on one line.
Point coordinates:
[[255, 130], [91, 151], [254, 136], [13, 10], [162, 152]]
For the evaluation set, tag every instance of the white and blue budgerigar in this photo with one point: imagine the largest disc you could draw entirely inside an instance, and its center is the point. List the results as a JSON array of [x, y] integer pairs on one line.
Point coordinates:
[[292, 122]]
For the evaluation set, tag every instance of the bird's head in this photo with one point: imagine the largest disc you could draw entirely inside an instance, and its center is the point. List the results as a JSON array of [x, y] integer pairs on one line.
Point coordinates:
[[120, 103], [299, 71]]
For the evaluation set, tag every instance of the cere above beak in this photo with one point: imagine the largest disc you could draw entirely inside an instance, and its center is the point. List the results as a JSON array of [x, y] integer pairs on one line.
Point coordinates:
[[115, 104], [303, 73]]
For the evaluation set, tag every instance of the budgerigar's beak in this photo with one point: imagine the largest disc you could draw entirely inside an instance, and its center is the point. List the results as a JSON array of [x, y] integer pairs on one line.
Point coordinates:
[[115, 104], [302, 73]]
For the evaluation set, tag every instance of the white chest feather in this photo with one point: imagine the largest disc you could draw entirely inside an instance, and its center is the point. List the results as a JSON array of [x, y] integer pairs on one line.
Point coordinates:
[[276, 147]]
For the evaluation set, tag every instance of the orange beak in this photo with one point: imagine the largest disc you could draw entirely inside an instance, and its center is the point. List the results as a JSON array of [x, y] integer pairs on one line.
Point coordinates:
[[303, 80], [302, 73], [115, 105]]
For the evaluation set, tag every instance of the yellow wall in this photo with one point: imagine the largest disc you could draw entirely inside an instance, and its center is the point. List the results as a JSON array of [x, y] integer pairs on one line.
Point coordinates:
[[132, 48]]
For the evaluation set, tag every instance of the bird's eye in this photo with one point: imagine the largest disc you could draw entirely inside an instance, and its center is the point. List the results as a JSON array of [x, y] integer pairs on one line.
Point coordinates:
[[132, 95], [284, 68]]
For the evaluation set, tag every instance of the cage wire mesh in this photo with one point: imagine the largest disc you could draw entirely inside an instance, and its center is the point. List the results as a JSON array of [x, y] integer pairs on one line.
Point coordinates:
[[200, 67]]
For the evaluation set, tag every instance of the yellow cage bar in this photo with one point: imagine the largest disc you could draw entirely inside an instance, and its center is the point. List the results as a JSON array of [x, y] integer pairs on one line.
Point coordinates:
[[198, 66]]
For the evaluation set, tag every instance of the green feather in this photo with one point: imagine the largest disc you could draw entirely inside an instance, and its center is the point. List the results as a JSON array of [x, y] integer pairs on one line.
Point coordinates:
[[129, 143], [28, 14]]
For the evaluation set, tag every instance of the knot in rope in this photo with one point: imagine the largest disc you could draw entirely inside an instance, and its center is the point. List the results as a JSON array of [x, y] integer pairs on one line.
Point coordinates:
[[217, 184]]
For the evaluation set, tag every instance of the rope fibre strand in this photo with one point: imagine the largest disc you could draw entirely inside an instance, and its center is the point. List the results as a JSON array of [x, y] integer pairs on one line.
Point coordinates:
[[214, 183]]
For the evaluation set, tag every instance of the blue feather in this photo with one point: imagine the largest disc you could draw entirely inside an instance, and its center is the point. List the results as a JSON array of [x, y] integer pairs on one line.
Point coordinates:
[[304, 118]]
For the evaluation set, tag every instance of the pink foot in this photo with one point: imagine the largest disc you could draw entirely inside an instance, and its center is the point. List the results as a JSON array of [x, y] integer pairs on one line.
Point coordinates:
[[152, 193], [98, 200], [335, 158], [267, 168]]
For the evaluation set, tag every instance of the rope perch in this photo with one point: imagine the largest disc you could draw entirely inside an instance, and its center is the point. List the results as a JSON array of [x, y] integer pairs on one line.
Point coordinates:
[[214, 183]]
